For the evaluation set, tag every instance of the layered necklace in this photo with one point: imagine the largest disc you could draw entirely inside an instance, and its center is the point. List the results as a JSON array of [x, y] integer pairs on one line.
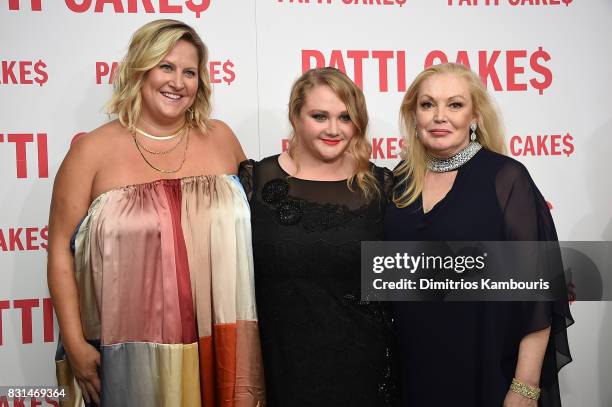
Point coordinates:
[[170, 137], [182, 133], [452, 163]]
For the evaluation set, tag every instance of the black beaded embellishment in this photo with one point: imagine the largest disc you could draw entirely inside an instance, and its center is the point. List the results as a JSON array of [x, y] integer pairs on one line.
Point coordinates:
[[274, 191], [312, 216], [289, 212], [387, 385], [276, 194]]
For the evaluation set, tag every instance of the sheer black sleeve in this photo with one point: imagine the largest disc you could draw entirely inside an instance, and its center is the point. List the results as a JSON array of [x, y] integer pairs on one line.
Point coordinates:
[[388, 184], [526, 214], [527, 218], [245, 174], [385, 180]]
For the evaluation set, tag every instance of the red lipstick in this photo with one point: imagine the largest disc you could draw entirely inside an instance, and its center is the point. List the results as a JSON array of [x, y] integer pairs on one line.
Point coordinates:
[[330, 142]]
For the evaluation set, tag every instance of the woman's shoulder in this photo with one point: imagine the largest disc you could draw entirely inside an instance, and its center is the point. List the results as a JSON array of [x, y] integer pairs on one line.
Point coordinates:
[[223, 139], [101, 135], [218, 128], [512, 181], [91, 148], [385, 179], [383, 174], [270, 161], [379, 169], [503, 166], [266, 163], [220, 132], [86, 158], [252, 172]]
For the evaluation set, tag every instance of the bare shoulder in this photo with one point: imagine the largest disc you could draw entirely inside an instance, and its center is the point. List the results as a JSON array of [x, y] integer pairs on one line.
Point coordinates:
[[221, 132], [225, 139], [72, 188], [85, 158], [92, 146], [218, 126]]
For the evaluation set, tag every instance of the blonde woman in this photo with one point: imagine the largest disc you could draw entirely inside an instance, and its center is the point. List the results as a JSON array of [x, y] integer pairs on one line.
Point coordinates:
[[155, 214], [310, 208], [456, 184]]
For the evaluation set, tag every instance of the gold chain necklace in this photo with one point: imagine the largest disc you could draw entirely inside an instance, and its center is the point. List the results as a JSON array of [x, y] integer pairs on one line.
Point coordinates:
[[163, 171], [142, 146], [170, 137]]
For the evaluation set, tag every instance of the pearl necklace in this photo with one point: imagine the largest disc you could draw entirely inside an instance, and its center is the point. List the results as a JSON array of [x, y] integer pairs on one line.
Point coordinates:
[[452, 163]]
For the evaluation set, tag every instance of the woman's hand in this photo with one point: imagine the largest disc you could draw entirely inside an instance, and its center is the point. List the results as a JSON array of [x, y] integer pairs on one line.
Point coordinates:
[[84, 361], [516, 400]]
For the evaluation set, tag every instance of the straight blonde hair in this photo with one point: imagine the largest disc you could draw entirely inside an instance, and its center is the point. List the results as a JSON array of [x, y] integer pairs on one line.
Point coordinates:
[[148, 46], [359, 146], [410, 174]]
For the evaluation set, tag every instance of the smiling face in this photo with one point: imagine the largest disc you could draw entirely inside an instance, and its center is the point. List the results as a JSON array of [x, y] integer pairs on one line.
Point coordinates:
[[170, 88], [444, 112], [323, 127]]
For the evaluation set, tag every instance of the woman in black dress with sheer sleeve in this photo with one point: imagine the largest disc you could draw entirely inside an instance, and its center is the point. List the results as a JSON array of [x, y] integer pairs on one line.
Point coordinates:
[[310, 209], [455, 185]]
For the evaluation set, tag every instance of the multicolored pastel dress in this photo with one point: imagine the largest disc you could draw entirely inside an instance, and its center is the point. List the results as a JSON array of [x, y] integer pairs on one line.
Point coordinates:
[[165, 277]]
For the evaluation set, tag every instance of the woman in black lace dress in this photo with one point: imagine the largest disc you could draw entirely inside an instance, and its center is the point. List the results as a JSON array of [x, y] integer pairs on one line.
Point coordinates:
[[455, 184], [311, 207]]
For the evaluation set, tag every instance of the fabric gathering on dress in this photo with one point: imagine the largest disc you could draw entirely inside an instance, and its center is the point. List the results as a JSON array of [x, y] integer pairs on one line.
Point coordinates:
[[465, 353], [164, 272], [321, 345]]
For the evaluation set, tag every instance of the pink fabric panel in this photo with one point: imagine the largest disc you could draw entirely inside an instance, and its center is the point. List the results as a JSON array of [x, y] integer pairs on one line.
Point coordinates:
[[188, 322], [139, 293]]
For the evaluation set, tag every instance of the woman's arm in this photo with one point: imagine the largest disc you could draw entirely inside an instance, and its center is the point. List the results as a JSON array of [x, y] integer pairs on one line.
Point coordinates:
[[529, 366], [521, 206], [69, 203], [530, 358]]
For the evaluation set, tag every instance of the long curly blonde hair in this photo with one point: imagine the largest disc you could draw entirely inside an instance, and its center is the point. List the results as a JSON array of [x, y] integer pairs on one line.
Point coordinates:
[[359, 146], [148, 46], [410, 174]]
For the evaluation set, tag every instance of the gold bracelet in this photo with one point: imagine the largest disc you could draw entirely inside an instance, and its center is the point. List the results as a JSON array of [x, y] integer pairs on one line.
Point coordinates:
[[525, 390]]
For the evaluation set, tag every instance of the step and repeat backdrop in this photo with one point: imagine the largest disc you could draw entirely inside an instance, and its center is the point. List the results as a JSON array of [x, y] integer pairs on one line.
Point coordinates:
[[546, 63]]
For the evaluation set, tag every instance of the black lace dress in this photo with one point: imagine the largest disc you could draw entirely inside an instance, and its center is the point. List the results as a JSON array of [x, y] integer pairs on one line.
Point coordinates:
[[465, 354], [321, 345]]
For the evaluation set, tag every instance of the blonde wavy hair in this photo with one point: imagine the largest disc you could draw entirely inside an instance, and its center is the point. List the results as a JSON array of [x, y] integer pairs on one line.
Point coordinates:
[[148, 46], [359, 146], [410, 174]]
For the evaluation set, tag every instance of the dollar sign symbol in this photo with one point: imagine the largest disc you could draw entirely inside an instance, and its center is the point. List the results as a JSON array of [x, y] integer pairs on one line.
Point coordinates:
[[569, 146], [197, 8], [230, 75], [567, 2], [545, 72], [43, 77]]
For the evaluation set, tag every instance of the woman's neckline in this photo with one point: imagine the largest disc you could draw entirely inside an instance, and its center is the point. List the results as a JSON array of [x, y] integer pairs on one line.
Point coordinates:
[[289, 176], [159, 181], [458, 178], [443, 200]]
